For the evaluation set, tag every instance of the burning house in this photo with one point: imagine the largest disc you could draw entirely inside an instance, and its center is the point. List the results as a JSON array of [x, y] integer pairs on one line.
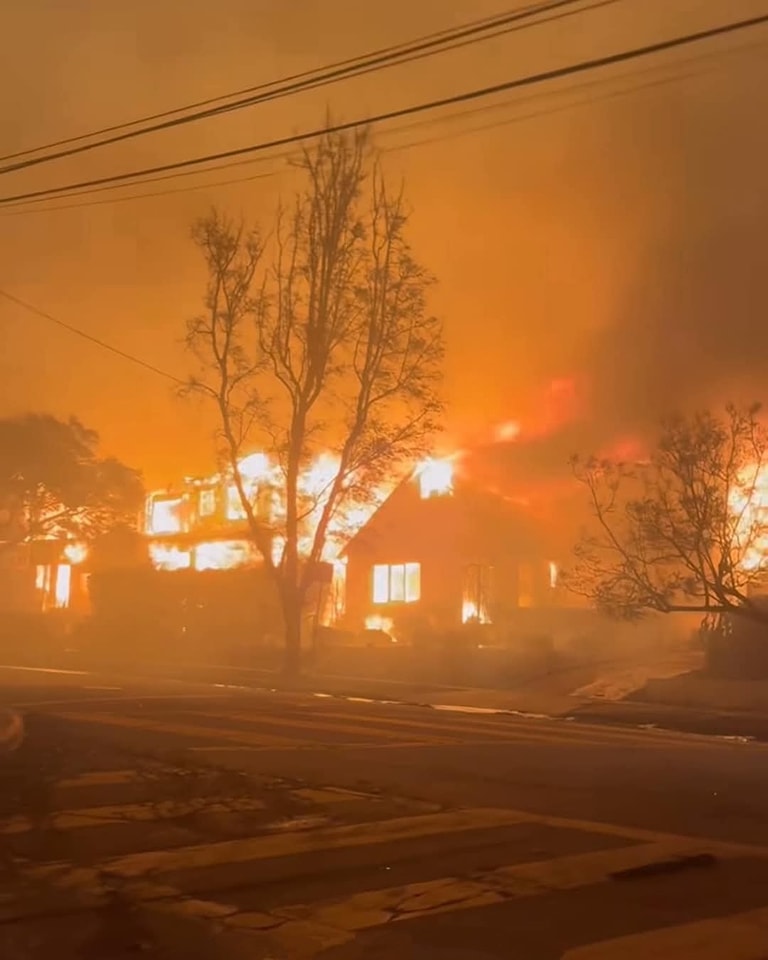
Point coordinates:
[[443, 551]]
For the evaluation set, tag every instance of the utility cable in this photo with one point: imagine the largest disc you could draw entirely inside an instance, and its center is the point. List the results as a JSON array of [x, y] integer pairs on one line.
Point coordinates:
[[414, 109]]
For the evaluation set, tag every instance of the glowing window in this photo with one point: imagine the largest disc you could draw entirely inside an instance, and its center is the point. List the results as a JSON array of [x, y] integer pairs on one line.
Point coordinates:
[[207, 503], [166, 515], [63, 585], [42, 578], [476, 597], [397, 583], [169, 558], [235, 509]]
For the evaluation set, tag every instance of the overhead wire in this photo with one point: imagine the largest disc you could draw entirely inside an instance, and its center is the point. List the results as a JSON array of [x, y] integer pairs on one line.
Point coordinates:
[[475, 32], [77, 331], [235, 93], [411, 110], [23, 208]]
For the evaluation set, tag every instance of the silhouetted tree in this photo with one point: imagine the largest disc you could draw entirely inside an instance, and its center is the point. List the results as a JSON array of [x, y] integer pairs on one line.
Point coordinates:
[[52, 481], [318, 341], [687, 530]]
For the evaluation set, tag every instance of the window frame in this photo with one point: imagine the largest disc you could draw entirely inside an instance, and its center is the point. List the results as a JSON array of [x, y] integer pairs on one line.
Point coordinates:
[[396, 583]]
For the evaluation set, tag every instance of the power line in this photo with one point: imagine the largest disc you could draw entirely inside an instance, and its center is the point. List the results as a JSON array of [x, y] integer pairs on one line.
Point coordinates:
[[418, 124], [23, 208], [235, 93], [310, 80], [414, 109], [87, 336]]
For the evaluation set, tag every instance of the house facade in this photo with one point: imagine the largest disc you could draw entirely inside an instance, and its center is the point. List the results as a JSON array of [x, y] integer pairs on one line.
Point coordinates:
[[441, 553]]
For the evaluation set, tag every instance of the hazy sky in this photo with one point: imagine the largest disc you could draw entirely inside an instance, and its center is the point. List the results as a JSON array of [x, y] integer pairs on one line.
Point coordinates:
[[612, 235]]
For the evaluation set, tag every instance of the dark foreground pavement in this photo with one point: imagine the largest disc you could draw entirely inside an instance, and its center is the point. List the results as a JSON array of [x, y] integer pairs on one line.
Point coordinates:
[[173, 820]]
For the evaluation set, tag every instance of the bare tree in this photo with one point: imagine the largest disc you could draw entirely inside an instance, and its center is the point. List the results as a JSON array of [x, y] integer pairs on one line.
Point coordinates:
[[685, 531], [327, 348]]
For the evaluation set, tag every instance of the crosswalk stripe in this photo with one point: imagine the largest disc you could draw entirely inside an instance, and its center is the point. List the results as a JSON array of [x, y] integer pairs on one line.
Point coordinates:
[[309, 929], [104, 778], [267, 847], [128, 813], [740, 936]]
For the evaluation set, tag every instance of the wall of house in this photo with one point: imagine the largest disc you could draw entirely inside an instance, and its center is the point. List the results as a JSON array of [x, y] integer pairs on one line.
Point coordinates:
[[456, 539]]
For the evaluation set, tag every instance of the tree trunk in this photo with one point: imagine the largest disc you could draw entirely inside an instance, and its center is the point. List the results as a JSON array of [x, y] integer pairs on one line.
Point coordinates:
[[292, 626]]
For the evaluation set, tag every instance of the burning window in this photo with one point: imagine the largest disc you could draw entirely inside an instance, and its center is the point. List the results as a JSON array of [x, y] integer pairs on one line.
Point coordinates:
[[42, 578], [206, 504], [435, 479], [169, 558], [63, 585], [475, 606], [235, 509], [224, 555], [397, 583], [165, 515]]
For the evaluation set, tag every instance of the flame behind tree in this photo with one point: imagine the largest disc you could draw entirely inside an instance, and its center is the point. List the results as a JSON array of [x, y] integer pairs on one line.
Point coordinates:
[[318, 340], [53, 484], [685, 531]]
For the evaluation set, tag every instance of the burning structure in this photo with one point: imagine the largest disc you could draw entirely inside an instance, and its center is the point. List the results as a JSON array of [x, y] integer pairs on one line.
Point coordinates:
[[443, 552]]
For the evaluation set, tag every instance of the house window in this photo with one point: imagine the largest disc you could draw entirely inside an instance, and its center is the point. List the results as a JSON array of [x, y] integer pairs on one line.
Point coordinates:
[[235, 509], [63, 589], [207, 503], [475, 605], [397, 583], [165, 515]]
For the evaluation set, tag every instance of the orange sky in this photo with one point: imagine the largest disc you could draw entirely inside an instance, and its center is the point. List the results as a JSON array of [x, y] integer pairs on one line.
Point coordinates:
[[619, 242]]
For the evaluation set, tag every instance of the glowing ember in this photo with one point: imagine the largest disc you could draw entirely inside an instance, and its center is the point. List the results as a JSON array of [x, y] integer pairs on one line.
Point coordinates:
[[435, 478]]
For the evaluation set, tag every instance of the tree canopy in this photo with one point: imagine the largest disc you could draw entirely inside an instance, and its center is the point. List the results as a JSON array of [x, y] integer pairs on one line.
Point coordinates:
[[53, 483], [316, 341], [684, 530]]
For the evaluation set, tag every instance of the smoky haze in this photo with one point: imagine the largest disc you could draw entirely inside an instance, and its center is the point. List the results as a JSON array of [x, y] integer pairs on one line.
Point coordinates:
[[615, 244], [690, 322]]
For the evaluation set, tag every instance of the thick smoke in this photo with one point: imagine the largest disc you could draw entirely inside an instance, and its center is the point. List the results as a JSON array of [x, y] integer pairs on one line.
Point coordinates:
[[691, 326]]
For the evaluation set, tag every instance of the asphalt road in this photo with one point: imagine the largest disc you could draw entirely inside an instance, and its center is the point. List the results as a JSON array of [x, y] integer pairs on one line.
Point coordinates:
[[198, 820]]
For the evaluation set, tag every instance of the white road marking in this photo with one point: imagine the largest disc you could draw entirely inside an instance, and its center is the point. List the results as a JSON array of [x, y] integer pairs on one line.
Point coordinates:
[[740, 936]]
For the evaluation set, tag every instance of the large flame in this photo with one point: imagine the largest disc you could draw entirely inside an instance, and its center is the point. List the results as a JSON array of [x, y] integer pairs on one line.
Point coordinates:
[[749, 503], [169, 516]]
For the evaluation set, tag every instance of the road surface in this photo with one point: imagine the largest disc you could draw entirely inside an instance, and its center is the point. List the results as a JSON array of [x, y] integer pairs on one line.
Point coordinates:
[[193, 820]]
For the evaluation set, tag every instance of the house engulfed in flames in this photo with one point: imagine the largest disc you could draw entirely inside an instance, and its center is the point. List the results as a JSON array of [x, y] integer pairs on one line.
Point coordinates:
[[203, 525]]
